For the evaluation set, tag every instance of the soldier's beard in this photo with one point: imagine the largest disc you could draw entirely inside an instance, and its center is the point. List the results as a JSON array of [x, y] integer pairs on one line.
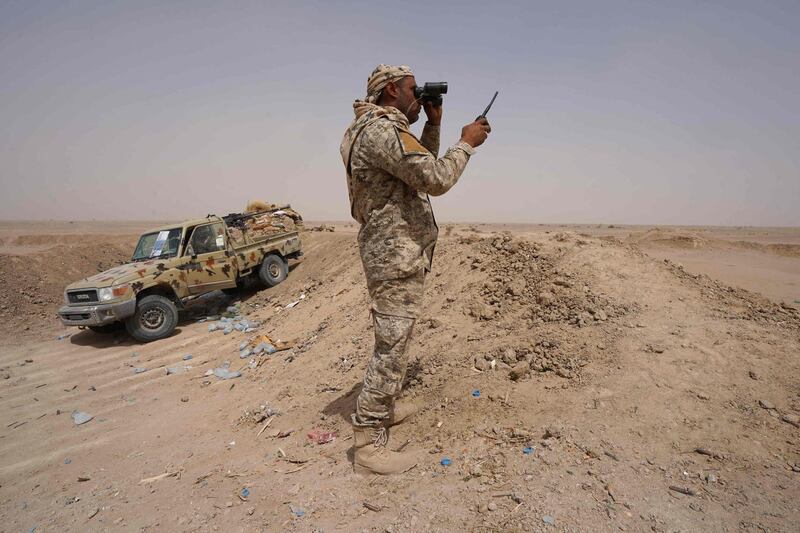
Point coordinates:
[[407, 111]]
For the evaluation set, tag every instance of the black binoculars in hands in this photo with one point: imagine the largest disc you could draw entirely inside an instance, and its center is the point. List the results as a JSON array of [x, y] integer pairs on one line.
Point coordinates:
[[431, 92]]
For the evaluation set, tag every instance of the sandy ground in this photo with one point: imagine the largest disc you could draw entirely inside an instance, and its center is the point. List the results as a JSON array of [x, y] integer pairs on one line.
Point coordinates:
[[579, 378]]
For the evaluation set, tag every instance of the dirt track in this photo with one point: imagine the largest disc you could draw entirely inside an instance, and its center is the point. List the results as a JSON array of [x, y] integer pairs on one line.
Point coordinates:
[[626, 366]]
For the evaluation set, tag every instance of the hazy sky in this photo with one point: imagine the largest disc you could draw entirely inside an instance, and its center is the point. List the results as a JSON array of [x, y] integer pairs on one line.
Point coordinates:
[[609, 112]]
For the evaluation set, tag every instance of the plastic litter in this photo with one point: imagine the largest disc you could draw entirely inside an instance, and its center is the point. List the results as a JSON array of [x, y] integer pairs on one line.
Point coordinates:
[[476, 393], [214, 326], [79, 417], [139, 370], [244, 354], [245, 492], [228, 329], [322, 437], [62, 337], [224, 373], [297, 511], [446, 461], [187, 357], [242, 345], [67, 461], [527, 450], [547, 519]]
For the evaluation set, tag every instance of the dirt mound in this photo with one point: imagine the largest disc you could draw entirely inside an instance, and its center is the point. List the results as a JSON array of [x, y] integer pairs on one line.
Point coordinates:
[[691, 240], [674, 238], [32, 284], [785, 250]]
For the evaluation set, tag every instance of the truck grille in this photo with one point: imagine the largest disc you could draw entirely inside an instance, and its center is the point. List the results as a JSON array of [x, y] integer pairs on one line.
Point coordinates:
[[82, 297], [77, 316]]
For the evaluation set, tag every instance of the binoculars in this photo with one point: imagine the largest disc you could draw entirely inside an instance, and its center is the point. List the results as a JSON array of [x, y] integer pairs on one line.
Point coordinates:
[[431, 92]]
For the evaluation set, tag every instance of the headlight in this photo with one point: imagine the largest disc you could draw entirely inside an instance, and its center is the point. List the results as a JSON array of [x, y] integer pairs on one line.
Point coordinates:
[[105, 294], [112, 293]]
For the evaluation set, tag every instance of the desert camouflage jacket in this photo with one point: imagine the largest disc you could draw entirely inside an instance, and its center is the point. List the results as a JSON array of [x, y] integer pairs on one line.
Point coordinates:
[[390, 174]]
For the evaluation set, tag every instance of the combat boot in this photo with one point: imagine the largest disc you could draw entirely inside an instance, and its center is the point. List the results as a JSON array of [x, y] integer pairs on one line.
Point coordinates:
[[371, 455], [402, 411]]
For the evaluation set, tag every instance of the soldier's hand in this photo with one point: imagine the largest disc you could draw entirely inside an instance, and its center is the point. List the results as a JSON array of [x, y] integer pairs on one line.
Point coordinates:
[[475, 134], [434, 113]]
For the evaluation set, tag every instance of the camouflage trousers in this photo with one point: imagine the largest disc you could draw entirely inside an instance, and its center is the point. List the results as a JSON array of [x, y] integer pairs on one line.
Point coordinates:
[[396, 305]]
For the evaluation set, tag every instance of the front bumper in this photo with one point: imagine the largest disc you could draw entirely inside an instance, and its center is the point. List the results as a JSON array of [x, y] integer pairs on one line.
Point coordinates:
[[97, 314]]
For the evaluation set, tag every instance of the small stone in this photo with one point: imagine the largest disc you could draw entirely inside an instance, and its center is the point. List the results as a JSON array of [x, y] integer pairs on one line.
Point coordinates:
[[549, 520], [519, 371], [492, 506], [552, 432], [703, 396], [481, 364], [754, 375], [545, 298], [766, 404], [185, 399], [656, 348], [509, 356], [791, 419]]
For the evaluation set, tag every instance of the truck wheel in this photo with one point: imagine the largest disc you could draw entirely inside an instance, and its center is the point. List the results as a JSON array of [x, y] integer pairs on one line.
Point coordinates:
[[273, 270], [107, 328], [155, 318]]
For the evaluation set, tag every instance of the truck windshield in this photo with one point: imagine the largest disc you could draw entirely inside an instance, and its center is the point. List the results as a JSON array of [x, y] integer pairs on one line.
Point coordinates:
[[158, 245]]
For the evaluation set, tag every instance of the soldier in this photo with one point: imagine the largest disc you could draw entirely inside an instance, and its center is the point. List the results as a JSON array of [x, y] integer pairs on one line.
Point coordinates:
[[390, 174]]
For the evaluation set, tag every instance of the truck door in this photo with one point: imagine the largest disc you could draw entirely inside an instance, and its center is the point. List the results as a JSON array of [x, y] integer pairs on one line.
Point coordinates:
[[209, 267]]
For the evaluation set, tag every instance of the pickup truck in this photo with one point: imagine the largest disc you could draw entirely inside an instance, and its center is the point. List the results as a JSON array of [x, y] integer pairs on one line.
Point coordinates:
[[174, 264]]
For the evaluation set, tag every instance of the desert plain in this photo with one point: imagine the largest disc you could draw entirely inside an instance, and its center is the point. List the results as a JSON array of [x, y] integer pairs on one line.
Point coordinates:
[[576, 377]]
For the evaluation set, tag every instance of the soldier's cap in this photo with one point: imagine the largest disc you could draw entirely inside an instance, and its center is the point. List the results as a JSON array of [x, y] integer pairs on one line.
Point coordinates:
[[380, 78]]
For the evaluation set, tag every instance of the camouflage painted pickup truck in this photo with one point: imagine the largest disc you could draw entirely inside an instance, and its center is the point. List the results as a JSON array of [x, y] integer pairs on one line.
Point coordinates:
[[173, 264]]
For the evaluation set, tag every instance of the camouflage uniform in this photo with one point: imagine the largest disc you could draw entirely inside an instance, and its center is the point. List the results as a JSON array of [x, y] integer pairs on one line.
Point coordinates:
[[390, 174]]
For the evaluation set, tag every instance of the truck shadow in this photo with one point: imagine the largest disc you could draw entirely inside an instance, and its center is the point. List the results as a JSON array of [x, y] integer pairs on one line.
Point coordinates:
[[92, 339]]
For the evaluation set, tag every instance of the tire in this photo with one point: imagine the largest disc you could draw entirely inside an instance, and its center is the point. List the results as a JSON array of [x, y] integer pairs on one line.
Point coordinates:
[[155, 318], [273, 270], [105, 329]]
